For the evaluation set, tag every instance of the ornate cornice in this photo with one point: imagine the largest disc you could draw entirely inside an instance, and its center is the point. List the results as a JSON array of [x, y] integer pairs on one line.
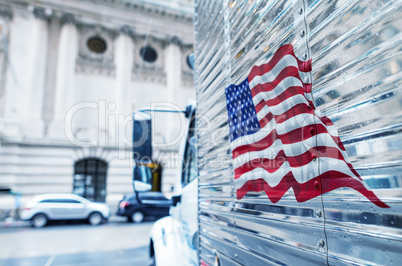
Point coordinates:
[[175, 41], [148, 74], [68, 18], [7, 14], [94, 63], [41, 12], [127, 30], [156, 7], [154, 16]]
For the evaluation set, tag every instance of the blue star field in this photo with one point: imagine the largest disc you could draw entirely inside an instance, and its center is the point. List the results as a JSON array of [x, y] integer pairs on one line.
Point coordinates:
[[241, 110]]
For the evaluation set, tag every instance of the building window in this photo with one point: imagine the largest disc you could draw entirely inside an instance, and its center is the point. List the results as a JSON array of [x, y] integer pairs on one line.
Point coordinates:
[[148, 54], [190, 61], [97, 45], [90, 179]]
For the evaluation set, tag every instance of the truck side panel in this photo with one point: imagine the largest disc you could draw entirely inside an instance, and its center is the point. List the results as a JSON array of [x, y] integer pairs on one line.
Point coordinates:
[[356, 82], [356, 51]]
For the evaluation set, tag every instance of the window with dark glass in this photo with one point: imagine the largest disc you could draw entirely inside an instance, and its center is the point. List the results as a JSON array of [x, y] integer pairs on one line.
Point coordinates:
[[90, 179], [190, 61], [59, 201], [97, 45], [143, 173], [189, 172], [148, 54]]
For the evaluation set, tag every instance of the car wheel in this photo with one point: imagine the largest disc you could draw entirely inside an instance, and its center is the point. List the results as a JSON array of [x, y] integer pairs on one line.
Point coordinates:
[[39, 220], [95, 218], [137, 217]]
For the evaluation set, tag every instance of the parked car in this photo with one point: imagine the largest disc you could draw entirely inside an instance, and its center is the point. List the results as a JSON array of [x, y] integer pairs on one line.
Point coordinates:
[[136, 208], [46, 207]]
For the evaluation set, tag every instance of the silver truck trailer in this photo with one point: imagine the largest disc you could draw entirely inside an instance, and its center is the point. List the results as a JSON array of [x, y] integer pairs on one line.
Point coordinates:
[[294, 150]]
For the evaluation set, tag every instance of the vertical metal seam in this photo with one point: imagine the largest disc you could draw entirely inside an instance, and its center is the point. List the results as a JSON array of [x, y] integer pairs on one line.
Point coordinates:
[[316, 139], [198, 185], [195, 76]]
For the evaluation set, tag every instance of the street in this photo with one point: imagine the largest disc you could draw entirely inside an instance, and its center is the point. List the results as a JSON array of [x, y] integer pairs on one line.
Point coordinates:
[[114, 243]]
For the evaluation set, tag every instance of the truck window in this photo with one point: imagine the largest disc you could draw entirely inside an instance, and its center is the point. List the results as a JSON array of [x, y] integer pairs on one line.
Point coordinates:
[[189, 171], [143, 174]]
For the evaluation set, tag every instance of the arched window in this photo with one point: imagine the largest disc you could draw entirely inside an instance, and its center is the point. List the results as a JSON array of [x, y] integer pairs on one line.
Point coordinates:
[[90, 179]]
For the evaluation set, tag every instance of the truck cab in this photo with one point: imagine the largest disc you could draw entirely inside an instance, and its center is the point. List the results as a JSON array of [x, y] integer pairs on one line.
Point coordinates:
[[174, 239]]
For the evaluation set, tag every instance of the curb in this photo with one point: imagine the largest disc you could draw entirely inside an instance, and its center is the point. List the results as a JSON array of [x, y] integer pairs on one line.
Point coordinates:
[[11, 223]]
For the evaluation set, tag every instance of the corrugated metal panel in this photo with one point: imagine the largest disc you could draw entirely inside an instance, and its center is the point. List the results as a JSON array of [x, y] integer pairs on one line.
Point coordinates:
[[355, 48], [215, 193], [238, 36], [357, 62]]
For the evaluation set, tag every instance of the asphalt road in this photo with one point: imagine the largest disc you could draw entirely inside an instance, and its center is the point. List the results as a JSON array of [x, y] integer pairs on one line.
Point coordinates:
[[114, 243]]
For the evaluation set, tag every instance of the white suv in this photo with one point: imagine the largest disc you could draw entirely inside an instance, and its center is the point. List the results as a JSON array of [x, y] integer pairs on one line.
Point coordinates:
[[43, 208]]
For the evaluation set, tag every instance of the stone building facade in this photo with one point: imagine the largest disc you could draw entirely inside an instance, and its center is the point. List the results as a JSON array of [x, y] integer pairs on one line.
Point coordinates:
[[71, 74]]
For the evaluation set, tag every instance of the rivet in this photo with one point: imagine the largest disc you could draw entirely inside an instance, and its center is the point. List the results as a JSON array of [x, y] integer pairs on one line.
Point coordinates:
[[235, 238], [304, 56], [313, 156], [319, 213], [302, 33], [300, 11], [322, 244], [316, 185], [236, 256], [312, 131]]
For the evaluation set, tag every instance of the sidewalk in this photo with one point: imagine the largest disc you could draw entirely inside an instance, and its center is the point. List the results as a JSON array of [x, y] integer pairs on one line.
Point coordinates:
[[9, 222]]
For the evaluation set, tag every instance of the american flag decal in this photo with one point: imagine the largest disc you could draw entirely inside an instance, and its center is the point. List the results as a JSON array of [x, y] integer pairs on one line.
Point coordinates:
[[280, 141]]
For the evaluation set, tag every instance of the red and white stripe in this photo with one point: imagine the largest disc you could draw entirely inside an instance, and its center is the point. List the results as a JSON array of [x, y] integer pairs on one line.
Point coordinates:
[[296, 147]]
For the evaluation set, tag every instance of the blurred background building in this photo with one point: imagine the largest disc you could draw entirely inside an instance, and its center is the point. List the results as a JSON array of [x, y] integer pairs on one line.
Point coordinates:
[[71, 73]]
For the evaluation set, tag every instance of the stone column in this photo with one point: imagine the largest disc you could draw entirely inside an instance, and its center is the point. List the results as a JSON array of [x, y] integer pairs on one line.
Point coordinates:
[[5, 18], [124, 60], [65, 74], [39, 46], [27, 72], [173, 68], [173, 82]]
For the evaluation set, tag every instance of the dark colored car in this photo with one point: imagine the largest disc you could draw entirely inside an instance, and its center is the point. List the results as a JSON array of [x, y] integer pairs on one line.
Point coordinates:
[[145, 204]]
